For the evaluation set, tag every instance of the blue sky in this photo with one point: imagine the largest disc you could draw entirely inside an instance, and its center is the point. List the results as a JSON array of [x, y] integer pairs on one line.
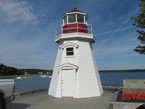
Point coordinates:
[[28, 27]]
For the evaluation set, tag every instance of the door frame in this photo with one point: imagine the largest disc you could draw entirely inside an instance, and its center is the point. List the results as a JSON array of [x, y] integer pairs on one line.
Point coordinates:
[[68, 66], [73, 82]]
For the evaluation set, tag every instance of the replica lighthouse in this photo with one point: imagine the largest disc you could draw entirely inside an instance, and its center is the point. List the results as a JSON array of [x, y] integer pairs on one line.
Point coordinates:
[[75, 73]]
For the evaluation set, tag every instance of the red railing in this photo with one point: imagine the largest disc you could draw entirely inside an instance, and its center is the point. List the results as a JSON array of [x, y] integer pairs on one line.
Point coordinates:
[[72, 28]]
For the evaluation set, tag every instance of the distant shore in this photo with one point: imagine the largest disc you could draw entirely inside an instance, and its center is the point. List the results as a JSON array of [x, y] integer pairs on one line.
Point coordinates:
[[11, 76], [100, 71], [130, 70]]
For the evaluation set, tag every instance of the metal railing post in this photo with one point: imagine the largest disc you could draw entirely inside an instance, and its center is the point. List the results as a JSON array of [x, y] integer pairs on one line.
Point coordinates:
[[61, 29], [77, 27]]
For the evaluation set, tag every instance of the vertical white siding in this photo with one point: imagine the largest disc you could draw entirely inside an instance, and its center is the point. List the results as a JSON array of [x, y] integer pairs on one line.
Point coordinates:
[[97, 72], [89, 86], [58, 86], [55, 76], [86, 79], [77, 91]]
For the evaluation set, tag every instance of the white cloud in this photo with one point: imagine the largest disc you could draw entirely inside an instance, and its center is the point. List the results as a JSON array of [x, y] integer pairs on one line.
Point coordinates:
[[13, 11], [124, 46], [115, 31], [115, 24], [27, 50], [25, 54]]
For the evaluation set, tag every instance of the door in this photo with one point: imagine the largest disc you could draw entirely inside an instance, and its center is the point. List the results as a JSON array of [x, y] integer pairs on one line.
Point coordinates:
[[67, 82]]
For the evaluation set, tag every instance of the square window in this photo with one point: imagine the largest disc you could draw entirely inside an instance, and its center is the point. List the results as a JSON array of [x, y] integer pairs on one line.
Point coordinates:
[[69, 51]]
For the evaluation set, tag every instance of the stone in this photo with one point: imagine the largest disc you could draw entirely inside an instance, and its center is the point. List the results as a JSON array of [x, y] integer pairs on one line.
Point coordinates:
[[133, 86]]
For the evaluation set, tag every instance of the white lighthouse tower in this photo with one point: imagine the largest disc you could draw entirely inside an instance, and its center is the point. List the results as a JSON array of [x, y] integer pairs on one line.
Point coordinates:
[[75, 73]]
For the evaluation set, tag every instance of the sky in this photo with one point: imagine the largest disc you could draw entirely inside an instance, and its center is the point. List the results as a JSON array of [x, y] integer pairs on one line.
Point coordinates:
[[28, 29]]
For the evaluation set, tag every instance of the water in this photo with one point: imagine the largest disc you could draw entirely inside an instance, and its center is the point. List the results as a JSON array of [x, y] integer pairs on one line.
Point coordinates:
[[116, 79], [35, 82], [32, 83]]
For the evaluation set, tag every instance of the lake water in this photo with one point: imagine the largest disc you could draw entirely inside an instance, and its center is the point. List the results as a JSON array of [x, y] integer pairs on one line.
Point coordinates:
[[108, 79]]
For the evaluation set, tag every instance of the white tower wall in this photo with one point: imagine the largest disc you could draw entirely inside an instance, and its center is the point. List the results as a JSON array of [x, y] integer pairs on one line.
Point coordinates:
[[89, 85], [97, 73], [55, 77], [86, 78]]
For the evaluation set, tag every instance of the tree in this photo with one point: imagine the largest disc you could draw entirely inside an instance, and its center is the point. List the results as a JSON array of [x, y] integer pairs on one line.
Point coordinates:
[[139, 21]]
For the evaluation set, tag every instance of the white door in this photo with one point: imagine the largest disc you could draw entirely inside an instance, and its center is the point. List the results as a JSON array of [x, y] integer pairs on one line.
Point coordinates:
[[67, 82]]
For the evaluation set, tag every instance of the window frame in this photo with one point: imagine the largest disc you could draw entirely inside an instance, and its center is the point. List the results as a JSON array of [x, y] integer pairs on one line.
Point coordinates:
[[66, 19], [73, 19], [70, 51]]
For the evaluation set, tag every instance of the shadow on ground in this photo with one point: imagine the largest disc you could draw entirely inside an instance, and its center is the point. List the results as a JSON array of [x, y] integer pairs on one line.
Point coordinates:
[[17, 106]]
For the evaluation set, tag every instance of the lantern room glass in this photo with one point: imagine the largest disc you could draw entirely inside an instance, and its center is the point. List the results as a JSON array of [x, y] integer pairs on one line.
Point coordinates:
[[65, 20], [71, 18], [80, 18], [74, 18]]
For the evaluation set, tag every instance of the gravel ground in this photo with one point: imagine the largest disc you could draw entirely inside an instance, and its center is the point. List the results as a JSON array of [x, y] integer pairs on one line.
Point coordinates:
[[41, 100]]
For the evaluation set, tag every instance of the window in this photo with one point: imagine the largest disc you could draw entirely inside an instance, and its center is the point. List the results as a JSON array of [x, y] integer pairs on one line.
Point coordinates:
[[65, 20], [71, 18], [69, 51], [80, 18]]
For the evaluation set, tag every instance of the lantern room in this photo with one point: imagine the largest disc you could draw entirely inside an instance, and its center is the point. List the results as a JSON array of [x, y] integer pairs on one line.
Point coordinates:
[[75, 21]]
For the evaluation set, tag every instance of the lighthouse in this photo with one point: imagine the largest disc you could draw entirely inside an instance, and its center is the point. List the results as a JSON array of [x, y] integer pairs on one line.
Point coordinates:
[[75, 73]]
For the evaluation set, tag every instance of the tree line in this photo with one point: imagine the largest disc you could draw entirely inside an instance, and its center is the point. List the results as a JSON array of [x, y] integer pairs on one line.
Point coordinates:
[[6, 70]]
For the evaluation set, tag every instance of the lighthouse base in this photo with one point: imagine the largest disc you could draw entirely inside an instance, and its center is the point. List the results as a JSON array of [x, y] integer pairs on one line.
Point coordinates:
[[76, 75], [70, 84]]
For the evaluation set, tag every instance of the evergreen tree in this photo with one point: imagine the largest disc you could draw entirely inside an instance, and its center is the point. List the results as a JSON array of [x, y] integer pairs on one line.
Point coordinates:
[[139, 21]]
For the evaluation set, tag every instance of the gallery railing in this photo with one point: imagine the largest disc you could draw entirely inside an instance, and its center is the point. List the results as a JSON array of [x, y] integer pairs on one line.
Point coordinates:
[[61, 30]]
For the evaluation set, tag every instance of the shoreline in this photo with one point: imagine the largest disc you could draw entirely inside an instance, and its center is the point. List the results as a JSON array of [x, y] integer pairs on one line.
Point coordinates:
[[11, 76], [111, 88], [14, 76], [123, 71]]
